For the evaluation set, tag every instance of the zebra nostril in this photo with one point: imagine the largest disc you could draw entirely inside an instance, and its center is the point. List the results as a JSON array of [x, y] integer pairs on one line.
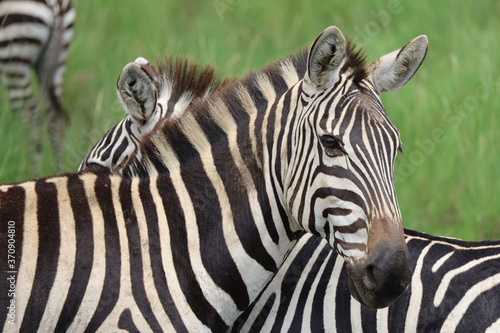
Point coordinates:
[[369, 278]]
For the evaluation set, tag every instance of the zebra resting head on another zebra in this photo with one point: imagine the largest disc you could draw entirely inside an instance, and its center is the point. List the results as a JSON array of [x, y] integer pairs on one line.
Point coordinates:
[[346, 133], [173, 87]]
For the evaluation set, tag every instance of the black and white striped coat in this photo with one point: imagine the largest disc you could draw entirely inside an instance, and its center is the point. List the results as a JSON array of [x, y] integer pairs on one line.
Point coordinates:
[[305, 296], [35, 35], [454, 288], [176, 83], [191, 247]]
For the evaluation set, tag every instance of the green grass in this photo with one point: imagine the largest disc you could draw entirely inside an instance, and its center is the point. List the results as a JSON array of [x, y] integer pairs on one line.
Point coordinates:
[[447, 180]]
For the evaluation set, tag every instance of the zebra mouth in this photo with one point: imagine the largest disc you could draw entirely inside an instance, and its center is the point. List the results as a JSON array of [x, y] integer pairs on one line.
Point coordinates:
[[375, 287]]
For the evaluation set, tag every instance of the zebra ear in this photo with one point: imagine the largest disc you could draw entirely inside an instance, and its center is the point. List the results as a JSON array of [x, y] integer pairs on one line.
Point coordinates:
[[391, 71], [325, 59], [137, 92]]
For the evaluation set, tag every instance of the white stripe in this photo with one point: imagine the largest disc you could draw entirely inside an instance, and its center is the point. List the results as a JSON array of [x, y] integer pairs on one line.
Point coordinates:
[[96, 280], [441, 261], [416, 293], [249, 106], [26, 30], [288, 72], [456, 315], [21, 50], [217, 297], [221, 115], [331, 294], [125, 298], [178, 298], [307, 317], [445, 281], [253, 274], [356, 325], [66, 260], [149, 284], [455, 246], [69, 18], [287, 321], [383, 320], [67, 37], [267, 89]]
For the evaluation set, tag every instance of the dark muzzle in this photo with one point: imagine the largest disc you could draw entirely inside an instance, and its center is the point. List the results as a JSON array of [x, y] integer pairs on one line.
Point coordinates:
[[381, 279]]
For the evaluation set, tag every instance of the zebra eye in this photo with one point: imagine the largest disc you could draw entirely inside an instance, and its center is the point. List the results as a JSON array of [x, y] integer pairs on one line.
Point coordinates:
[[332, 146]]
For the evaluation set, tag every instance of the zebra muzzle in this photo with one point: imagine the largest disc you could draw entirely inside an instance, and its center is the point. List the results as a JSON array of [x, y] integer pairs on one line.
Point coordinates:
[[378, 281]]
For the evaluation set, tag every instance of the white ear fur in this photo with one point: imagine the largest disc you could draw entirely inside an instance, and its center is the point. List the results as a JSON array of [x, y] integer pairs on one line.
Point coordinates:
[[325, 59], [391, 71], [141, 61], [137, 92]]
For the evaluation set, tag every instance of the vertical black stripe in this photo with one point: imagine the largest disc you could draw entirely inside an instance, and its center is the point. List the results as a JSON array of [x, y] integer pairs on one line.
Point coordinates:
[[49, 240], [84, 252], [244, 222], [343, 303], [260, 320], [161, 286], [182, 265], [312, 276], [260, 104], [215, 254], [134, 247], [250, 160], [119, 151], [318, 307], [12, 203], [111, 287], [115, 135]]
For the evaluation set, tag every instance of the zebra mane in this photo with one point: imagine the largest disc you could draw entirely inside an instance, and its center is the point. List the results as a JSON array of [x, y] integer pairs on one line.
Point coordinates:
[[279, 76], [182, 75]]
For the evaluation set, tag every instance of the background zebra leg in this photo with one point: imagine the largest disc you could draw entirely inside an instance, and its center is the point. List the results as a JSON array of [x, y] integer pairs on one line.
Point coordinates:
[[57, 123], [33, 120], [49, 70]]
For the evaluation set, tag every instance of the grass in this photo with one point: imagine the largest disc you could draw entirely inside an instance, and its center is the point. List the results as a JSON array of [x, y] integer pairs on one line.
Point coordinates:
[[447, 178]]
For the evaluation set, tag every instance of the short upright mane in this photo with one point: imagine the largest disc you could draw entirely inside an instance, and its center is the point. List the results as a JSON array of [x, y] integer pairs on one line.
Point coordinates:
[[355, 62], [186, 75]]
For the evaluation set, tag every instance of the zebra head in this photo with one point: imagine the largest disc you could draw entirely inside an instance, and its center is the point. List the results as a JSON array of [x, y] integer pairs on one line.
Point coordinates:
[[340, 160], [138, 89], [149, 95]]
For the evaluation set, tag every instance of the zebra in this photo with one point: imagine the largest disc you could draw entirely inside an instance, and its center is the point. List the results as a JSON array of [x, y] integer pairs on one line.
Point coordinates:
[[179, 81], [191, 247], [303, 293], [454, 288], [36, 35]]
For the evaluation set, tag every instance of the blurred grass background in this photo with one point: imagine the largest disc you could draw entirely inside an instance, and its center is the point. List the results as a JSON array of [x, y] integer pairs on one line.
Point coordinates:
[[447, 180]]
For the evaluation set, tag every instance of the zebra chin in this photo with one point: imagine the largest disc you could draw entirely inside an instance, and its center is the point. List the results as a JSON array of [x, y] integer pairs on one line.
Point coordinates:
[[377, 281]]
